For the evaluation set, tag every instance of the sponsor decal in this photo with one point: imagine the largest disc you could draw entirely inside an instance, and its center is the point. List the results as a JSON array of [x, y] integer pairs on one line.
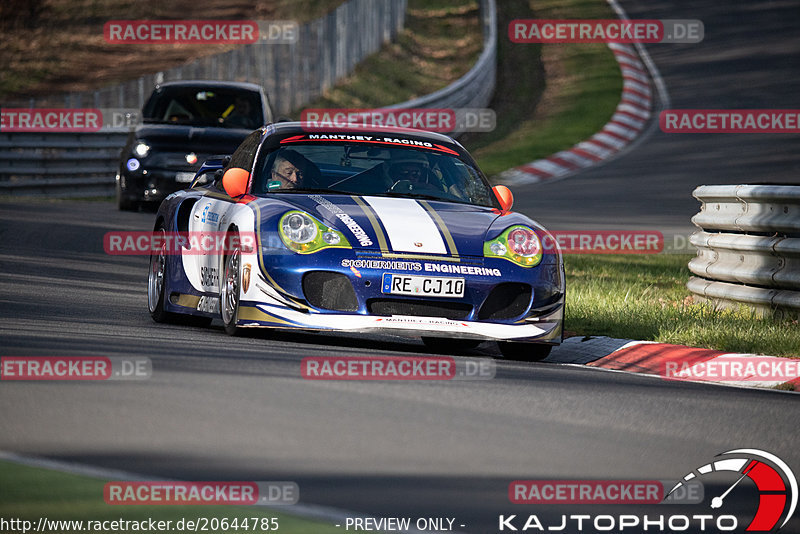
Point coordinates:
[[185, 243], [200, 493], [75, 368], [392, 265], [730, 121], [208, 304], [369, 139], [50, 120], [208, 276], [353, 226], [605, 31], [209, 216], [461, 269]]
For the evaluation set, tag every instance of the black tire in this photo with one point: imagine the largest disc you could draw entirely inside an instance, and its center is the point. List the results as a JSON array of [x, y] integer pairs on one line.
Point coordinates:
[[524, 352], [124, 204], [443, 344], [156, 282], [229, 290]]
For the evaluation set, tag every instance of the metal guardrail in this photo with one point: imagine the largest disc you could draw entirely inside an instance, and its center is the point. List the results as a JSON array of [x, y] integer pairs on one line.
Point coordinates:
[[476, 88], [748, 249], [85, 164], [292, 74]]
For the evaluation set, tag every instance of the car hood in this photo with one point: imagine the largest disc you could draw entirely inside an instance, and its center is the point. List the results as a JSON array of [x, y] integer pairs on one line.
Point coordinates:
[[181, 138], [399, 225]]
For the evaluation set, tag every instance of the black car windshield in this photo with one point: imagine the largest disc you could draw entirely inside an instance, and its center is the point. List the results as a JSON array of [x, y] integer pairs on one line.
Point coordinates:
[[379, 170], [211, 106]]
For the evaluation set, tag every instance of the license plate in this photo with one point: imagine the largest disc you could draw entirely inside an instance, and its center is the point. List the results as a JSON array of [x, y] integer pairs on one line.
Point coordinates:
[[184, 177], [428, 286]]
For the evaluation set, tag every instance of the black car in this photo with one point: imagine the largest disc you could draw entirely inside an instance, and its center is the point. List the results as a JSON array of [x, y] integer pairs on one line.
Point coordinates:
[[183, 123]]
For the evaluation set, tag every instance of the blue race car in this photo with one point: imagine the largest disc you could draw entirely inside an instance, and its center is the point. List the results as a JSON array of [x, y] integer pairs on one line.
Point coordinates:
[[359, 230]]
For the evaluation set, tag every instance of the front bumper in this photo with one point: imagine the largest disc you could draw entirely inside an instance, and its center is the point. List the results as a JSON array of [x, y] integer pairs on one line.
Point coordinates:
[[544, 329]]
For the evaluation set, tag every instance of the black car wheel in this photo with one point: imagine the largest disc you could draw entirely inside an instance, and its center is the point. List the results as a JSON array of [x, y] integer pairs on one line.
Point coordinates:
[[229, 291], [156, 281], [525, 352], [123, 203]]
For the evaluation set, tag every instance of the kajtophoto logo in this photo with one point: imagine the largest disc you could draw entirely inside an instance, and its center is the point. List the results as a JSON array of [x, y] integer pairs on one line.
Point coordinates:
[[774, 480], [746, 490]]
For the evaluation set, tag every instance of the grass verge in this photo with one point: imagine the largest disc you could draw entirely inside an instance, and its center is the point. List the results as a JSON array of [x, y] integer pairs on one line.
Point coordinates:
[[645, 297], [549, 97], [30, 493]]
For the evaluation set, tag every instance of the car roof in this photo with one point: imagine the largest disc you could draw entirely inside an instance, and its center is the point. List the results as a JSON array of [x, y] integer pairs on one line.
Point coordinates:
[[210, 83]]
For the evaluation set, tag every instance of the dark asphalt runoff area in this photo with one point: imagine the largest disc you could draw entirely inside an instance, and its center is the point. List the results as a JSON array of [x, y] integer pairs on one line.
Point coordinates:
[[223, 408]]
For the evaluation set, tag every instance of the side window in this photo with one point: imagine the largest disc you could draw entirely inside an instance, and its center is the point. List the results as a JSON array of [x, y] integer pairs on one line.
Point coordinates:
[[246, 153]]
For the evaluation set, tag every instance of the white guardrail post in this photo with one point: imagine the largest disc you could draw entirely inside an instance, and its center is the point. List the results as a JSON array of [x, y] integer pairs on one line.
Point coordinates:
[[748, 247]]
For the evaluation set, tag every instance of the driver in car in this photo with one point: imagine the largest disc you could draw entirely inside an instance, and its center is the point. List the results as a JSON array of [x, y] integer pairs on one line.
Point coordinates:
[[410, 172]]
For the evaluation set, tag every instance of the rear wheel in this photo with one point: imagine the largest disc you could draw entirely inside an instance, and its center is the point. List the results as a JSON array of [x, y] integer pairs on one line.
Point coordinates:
[[524, 352], [229, 291], [443, 344]]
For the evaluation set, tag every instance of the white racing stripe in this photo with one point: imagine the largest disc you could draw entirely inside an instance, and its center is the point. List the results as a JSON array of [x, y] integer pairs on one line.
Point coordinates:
[[410, 228]]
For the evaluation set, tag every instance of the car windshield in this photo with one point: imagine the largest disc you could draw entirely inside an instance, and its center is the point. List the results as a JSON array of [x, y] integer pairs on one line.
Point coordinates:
[[198, 106], [378, 170]]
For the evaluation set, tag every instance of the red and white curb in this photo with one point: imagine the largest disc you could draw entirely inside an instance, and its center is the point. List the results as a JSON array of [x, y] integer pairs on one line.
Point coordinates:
[[651, 358], [628, 121]]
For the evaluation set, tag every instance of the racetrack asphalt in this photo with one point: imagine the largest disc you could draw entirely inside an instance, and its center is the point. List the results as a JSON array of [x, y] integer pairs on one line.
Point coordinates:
[[218, 407]]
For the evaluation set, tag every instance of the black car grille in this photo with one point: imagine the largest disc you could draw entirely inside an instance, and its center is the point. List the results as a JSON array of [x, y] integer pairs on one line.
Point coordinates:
[[505, 301], [420, 308], [329, 291]]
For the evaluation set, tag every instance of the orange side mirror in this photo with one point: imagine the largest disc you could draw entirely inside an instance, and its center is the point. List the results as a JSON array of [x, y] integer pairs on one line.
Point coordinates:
[[235, 180], [505, 197]]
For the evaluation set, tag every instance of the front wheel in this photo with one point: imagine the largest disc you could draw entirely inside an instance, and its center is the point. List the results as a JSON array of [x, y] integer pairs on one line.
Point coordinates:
[[156, 281], [524, 352], [229, 292]]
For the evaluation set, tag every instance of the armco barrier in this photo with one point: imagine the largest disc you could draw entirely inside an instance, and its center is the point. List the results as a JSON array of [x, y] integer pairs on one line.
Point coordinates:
[[85, 164], [748, 249], [326, 50], [476, 88]]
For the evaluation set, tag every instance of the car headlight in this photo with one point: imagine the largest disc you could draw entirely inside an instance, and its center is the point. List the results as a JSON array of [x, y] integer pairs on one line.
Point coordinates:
[[518, 244], [141, 149], [304, 234]]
